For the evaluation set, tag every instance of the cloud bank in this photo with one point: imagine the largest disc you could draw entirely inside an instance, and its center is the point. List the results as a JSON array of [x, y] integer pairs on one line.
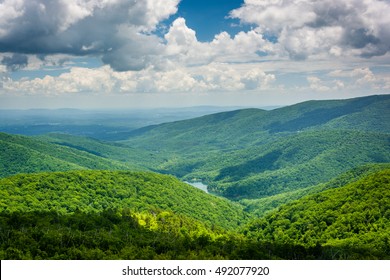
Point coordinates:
[[305, 28], [141, 53], [215, 77], [120, 31]]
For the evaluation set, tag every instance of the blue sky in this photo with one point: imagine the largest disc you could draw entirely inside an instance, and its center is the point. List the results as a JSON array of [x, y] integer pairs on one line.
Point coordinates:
[[210, 17], [172, 53]]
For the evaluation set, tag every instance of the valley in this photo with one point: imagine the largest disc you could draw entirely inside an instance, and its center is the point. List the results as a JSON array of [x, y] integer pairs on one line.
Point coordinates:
[[306, 181]]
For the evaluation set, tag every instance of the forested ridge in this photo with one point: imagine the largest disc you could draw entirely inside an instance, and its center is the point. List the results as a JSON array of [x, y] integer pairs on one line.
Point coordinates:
[[348, 222], [254, 153], [94, 191], [260, 207], [307, 181], [21, 154]]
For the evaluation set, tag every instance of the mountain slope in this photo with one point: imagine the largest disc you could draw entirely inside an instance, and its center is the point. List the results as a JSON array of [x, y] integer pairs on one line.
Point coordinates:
[[299, 161], [348, 222], [240, 154], [111, 150], [255, 153], [241, 128], [262, 206], [92, 191], [114, 235], [21, 154], [216, 131], [355, 113]]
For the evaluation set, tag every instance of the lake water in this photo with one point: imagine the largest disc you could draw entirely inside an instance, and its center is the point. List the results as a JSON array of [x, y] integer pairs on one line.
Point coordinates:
[[198, 185]]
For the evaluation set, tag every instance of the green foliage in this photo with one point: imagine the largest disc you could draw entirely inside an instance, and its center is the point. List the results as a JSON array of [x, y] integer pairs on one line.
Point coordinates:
[[238, 129], [21, 154], [277, 164], [315, 114], [300, 161], [349, 222], [114, 234], [76, 215], [255, 153], [260, 207], [133, 158], [240, 154], [94, 191]]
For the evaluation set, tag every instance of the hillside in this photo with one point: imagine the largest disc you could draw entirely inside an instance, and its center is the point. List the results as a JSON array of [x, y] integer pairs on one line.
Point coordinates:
[[143, 215], [93, 191], [349, 222], [240, 128], [262, 206], [297, 161], [132, 157], [254, 153], [21, 154], [103, 124], [114, 235], [240, 154], [116, 215]]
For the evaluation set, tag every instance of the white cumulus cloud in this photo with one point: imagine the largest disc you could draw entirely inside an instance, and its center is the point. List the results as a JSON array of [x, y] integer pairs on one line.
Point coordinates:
[[107, 28], [307, 28], [213, 77]]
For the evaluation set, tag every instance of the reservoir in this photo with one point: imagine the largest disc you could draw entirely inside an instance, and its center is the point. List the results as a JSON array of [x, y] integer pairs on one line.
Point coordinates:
[[198, 185]]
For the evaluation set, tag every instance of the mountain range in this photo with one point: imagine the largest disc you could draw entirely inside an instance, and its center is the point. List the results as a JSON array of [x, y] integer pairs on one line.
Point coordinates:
[[309, 180]]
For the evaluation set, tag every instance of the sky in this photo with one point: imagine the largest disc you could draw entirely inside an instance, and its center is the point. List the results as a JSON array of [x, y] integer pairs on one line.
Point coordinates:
[[172, 53]]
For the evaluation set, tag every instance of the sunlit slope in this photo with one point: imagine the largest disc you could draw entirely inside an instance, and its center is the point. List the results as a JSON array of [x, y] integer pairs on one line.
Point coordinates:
[[21, 154], [238, 129], [136, 158], [91, 191], [262, 206], [350, 222]]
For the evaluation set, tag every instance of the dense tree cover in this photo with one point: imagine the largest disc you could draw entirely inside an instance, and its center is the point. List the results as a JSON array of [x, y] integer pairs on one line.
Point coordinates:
[[240, 154], [349, 222], [295, 161], [21, 154], [275, 163], [16, 159], [134, 158], [292, 162], [299, 161], [346, 222], [114, 234], [255, 153], [260, 207], [243, 154], [315, 114], [93, 191], [238, 129]]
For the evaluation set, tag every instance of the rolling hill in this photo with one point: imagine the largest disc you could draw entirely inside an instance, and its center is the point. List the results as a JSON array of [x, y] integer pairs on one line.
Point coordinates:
[[21, 154], [298, 161], [240, 128], [255, 153], [349, 222], [115, 215], [93, 191], [291, 162], [262, 206], [143, 215], [134, 158], [103, 124], [307, 181], [240, 154]]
